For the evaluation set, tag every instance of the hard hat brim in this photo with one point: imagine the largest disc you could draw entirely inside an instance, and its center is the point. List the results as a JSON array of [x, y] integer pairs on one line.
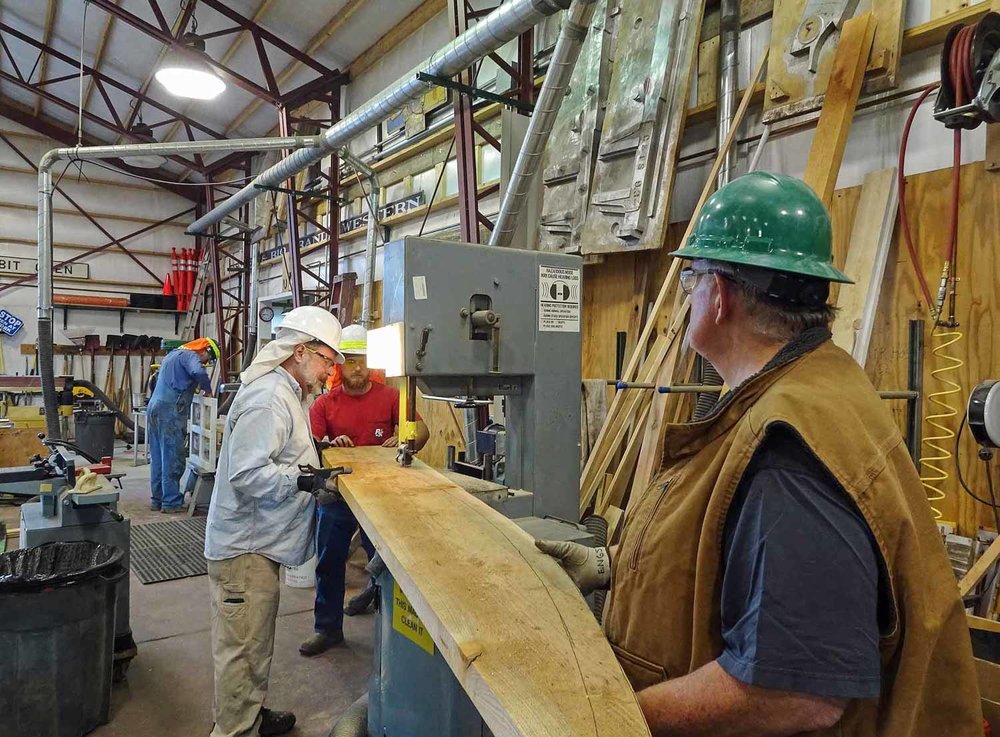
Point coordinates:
[[776, 261]]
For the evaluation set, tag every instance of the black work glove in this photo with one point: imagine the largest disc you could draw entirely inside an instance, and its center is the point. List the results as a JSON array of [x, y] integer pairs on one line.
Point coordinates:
[[325, 490]]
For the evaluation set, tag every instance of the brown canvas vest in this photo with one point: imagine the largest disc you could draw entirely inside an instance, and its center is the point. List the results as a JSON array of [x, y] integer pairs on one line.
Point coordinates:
[[663, 616]]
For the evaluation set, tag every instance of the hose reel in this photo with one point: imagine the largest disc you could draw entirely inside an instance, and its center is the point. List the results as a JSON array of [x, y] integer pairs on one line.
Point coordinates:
[[970, 75]]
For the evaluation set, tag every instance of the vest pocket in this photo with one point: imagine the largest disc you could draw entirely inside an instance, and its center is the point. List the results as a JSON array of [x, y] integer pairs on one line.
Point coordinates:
[[633, 562], [640, 672]]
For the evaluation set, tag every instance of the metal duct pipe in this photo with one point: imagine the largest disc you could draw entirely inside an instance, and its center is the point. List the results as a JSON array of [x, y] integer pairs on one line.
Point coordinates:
[[368, 287], [46, 367], [729, 66], [489, 34], [550, 97], [250, 350]]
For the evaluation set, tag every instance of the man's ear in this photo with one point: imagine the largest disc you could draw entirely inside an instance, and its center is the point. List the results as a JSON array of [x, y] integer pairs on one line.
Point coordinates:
[[723, 299]]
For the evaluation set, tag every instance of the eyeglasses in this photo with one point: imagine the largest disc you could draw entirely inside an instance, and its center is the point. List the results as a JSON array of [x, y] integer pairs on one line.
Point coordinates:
[[350, 361], [688, 277], [326, 359]]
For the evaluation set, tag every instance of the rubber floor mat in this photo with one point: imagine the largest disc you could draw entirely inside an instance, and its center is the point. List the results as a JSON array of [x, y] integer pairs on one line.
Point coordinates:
[[164, 551]]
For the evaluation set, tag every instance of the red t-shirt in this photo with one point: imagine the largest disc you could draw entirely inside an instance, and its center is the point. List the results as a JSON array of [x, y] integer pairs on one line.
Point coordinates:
[[369, 419]]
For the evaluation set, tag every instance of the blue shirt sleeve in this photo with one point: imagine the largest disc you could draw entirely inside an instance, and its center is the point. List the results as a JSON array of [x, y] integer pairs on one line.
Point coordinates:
[[194, 369], [800, 588]]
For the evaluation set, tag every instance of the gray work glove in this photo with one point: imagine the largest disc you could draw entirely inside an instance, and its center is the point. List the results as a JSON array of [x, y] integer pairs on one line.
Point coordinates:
[[589, 568]]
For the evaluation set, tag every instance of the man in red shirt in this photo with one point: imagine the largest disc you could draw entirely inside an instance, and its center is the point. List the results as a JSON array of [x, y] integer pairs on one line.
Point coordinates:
[[358, 412]]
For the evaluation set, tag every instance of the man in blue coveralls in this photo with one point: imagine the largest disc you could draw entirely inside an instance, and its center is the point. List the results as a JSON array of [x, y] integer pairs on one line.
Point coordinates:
[[181, 373]]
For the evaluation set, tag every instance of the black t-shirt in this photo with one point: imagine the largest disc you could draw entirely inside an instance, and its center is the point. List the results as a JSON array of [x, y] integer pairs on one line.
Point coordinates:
[[801, 579]]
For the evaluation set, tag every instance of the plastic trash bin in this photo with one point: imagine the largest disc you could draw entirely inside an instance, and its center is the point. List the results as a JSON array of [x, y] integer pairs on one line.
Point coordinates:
[[57, 633]]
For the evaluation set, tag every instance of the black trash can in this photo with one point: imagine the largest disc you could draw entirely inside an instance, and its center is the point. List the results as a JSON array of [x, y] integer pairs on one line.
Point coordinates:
[[57, 633], [95, 432]]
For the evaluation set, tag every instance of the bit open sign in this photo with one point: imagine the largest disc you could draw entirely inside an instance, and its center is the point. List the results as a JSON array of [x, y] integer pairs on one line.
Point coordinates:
[[29, 266], [10, 324]]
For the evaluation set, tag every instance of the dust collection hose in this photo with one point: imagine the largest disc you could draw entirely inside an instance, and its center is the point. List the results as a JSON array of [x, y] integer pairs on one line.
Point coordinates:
[[108, 402]]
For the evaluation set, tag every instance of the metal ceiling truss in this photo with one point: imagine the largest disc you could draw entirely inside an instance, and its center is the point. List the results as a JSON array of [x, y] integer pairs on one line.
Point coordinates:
[[522, 95], [262, 38], [101, 83]]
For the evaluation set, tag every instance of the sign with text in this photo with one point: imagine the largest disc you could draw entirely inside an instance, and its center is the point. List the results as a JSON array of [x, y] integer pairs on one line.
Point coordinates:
[[29, 266], [9, 324], [410, 202]]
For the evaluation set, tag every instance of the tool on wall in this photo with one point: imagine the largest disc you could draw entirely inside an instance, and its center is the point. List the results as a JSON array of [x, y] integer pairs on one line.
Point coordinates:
[[820, 19], [970, 75]]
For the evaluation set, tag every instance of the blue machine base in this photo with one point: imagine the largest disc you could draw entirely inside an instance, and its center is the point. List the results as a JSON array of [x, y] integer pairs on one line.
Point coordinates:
[[412, 692]]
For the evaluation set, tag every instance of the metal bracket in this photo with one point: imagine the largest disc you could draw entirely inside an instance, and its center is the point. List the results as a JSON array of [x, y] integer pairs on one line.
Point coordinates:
[[482, 94], [301, 193]]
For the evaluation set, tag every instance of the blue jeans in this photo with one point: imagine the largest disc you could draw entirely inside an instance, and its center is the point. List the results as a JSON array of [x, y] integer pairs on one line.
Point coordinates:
[[335, 526], [166, 427]]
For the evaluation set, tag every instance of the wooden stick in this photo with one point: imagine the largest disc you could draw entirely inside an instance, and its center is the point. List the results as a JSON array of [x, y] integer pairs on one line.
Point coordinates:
[[600, 457], [978, 570], [868, 252], [837, 113]]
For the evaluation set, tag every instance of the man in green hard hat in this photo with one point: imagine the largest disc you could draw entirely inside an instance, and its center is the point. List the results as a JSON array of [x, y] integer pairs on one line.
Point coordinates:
[[783, 574]]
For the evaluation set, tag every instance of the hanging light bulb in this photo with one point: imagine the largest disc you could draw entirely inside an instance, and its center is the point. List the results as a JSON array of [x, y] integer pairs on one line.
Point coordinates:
[[142, 133], [185, 76]]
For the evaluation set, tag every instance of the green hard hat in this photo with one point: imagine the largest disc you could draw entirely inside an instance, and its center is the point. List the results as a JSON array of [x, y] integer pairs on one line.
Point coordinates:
[[770, 221]]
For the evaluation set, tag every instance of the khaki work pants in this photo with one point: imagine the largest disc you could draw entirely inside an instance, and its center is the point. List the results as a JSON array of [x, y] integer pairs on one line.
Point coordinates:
[[245, 592]]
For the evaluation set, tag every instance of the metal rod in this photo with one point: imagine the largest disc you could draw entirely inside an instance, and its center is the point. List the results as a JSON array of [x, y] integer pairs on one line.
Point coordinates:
[[512, 102], [550, 97], [502, 25], [674, 389], [915, 383]]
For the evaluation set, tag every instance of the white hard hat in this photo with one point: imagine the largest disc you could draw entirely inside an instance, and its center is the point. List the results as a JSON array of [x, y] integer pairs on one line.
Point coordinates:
[[318, 323], [354, 340]]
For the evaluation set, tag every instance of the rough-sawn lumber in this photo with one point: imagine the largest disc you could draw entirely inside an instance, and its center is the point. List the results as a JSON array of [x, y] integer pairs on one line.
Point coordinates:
[[508, 621]]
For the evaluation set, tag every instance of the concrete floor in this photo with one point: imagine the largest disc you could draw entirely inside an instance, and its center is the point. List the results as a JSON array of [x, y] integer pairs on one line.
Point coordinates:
[[169, 688]]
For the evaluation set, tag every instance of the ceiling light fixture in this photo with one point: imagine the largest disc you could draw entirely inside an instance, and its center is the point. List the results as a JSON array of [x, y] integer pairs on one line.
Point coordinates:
[[185, 76], [142, 133]]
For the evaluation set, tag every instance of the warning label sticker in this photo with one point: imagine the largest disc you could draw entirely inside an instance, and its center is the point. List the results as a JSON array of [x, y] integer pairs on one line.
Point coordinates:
[[406, 622], [558, 299]]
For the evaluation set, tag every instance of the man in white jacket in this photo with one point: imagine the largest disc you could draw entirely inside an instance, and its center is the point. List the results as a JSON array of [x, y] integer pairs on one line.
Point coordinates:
[[262, 514]]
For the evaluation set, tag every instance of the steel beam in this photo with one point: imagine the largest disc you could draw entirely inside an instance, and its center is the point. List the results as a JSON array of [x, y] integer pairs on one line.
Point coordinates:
[[23, 116]]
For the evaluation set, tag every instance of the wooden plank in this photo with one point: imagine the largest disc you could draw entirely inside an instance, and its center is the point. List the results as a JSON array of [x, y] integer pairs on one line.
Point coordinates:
[[869, 250], [508, 621], [708, 70], [932, 33], [942, 8], [837, 114], [989, 680], [614, 491], [18, 445], [983, 624], [652, 441], [979, 568]]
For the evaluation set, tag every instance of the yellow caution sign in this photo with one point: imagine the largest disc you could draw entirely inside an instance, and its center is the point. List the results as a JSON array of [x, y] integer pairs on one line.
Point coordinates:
[[406, 622]]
